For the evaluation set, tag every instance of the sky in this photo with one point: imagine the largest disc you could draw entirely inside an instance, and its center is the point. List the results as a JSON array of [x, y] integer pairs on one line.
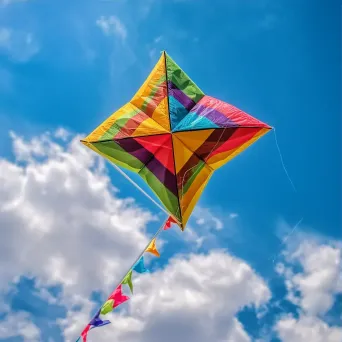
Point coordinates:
[[260, 257]]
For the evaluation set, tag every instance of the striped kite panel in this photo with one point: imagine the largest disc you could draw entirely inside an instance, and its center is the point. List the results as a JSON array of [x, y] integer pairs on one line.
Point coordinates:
[[174, 136]]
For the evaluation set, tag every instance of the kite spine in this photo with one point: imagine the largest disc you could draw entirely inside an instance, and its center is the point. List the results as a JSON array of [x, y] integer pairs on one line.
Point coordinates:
[[173, 151]]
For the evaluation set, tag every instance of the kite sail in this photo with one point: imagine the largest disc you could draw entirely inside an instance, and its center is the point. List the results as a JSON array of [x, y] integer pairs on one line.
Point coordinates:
[[174, 136]]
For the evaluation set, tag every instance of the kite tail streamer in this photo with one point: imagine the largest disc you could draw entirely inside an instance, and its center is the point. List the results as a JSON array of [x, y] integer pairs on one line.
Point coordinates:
[[142, 253], [117, 298], [282, 161]]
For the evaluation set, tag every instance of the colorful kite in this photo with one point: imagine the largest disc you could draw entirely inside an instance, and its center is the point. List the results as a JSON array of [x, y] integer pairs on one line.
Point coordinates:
[[174, 136]]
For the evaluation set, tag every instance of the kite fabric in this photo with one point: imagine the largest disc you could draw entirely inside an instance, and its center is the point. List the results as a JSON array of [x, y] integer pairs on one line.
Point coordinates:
[[94, 323], [139, 267], [168, 223], [117, 297], [174, 136], [152, 248]]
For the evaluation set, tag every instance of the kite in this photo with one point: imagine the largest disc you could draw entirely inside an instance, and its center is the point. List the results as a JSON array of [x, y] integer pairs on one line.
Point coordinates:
[[174, 136]]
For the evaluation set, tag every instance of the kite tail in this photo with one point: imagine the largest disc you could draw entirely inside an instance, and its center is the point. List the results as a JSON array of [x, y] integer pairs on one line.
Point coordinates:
[[138, 267]]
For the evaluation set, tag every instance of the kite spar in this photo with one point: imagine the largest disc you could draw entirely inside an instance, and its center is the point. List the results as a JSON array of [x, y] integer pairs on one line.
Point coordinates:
[[174, 137]]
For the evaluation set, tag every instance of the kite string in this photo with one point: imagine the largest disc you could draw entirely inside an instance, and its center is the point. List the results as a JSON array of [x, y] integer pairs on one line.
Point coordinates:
[[142, 253], [283, 241], [137, 259], [141, 190], [282, 160]]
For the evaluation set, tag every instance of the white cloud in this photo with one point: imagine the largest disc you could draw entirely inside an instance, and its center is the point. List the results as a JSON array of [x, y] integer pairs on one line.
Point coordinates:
[[112, 26], [203, 229], [19, 45], [18, 324], [57, 197], [315, 286], [60, 202], [62, 134], [310, 329], [191, 299], [205, 217], [313, 279]]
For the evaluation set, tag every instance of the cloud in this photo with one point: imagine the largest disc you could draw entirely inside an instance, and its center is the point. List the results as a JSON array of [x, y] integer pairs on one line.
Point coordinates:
[[319, 279], [313, 279], [62, 134], [59, 200], [204, 216], [18, 324], [194, 298], [21, 46], [202, 228], [112, 26], [307, 329]]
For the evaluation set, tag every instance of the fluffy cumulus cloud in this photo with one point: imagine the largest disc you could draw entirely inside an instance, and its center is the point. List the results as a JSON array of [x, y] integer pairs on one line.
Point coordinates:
[[319, 279], [19, 324], [61, 218], [307, 329], [191, 299], [313, 279]]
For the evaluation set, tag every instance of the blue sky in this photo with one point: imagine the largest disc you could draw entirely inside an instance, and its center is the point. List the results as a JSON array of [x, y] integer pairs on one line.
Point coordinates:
[[70, 64]]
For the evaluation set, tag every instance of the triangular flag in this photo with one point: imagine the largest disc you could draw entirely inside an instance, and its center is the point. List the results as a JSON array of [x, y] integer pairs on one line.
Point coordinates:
[[118, 297], [128, 280], [152, 248], [107, 307], [139, 266], [97, 321], [168, 223], [85, 333], [94, 323]]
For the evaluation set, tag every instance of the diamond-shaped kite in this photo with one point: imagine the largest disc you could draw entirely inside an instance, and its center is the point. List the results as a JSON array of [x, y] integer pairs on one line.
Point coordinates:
[[174, 136]]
